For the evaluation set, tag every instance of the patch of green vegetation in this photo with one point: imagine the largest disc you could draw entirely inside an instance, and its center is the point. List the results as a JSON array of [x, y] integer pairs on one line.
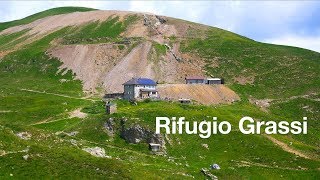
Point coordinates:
[[97, 107], [160, 49], [131, 19], [298, 108], [226, 150], [31, 68], [278, 71], [58, 125], [50, 12], [99, 32], [26, 76], [8, 41], [121, 47], [172, 38]]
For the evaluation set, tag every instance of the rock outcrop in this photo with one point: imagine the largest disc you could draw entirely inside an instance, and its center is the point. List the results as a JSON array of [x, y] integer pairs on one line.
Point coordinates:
[[137, 133], [133, 133]]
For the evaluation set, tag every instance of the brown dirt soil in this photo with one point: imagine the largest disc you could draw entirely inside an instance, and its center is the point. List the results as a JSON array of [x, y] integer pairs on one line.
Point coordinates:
[[167, 30], [88, 62], [136, 30], [169, 70], [77, 113], [202, 93], [4, 53], [135, 64], [244, 80], [105, 65], [263, 104]]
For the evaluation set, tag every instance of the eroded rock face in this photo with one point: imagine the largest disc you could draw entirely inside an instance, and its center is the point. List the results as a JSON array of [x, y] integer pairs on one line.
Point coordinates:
[[136, 134], [109, 126]]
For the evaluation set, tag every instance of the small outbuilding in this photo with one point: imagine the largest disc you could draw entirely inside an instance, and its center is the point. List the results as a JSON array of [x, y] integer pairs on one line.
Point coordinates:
[[202, 80], [111, 108], [154, 147], [185, 101], [214, 81], [195, 80]]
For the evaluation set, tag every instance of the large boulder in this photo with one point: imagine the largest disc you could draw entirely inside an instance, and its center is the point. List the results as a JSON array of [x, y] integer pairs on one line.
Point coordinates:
[[137, 133]]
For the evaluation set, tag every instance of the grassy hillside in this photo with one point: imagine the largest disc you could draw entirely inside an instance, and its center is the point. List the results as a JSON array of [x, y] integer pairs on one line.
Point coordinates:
[[268, 71], [50, 12], [37, 98], [289, 76]]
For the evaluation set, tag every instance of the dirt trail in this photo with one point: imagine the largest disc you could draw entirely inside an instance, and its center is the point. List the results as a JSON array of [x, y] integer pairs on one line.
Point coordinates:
[[48, 121], [6, 111], [204, 94], [61, 95], [248, 164], [4, 53], [287, 148], [264, 104], [4, 153]]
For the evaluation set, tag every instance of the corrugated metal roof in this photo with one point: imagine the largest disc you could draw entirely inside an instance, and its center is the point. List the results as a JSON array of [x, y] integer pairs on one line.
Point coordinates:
[[213, 79], [140, 81]]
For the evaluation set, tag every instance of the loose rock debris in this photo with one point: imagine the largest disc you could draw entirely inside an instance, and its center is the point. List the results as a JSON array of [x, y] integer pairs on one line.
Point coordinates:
[[77, 113], [97, 152], [24, 135], [207, 173]]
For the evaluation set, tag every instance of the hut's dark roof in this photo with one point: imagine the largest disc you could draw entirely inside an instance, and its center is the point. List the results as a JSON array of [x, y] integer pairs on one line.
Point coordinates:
[[140, 81]]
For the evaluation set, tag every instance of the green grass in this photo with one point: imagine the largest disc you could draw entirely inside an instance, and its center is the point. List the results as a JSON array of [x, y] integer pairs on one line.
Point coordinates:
[[160, 49], [43, 14], [8, 41], [225, 150], [299, 108], [53, 155], [58, 125], [278, 71]]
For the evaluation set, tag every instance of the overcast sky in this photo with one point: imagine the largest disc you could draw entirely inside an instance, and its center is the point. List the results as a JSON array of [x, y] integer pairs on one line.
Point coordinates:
[[292, 23]]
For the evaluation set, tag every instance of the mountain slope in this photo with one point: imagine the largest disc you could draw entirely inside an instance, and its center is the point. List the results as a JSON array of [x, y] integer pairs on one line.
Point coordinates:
[[50, 12], [46, 64]]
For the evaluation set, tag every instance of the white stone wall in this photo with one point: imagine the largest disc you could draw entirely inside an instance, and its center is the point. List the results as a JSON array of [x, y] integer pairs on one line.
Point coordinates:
[[138, 87]]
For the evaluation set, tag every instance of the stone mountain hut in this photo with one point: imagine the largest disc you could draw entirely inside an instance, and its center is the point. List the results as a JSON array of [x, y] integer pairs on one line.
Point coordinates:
[[140, 88]]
